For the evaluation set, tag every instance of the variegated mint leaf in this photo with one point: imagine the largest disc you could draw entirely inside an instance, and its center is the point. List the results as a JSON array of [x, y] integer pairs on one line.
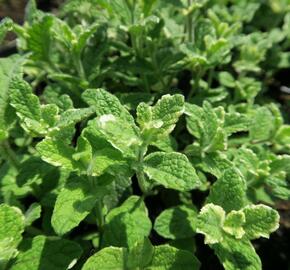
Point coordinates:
[[210, 222], [233, 224], [260, 221], [159, 120]]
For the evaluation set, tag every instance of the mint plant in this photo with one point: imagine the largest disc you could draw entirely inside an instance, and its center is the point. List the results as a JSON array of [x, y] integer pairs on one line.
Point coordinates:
[[139, 134]]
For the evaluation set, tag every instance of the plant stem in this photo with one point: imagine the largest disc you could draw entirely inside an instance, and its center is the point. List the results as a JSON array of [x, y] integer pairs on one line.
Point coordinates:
[[210, 77], [9, 154], [99, 214], [189, 22], [79, 66], [140, 174], [195, 86]]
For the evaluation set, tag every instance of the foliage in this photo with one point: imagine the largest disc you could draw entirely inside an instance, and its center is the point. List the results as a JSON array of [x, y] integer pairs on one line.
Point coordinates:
[[112, 103]]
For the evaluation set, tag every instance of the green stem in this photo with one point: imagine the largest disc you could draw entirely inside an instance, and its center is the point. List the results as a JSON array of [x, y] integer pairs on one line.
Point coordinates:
[[195, 86], [79, 66], [210, 77], [100, 218], [156, 67], [99, 214], [8, 154], [140, 174], [189, 22]]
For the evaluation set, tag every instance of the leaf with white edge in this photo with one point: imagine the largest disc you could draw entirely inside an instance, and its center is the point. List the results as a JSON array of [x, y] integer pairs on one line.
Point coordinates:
[[103, 157], [110, 258], [74, 202], [167, 257], [176, 222], [280, 163], [47, 253], [10, 67], [283, 135], [159, 120], [237, 254], [229, 191], [261, 220], [172, 170], [127, 224], [233, 224], [11, 229], [105, 103], [210, 222], [119, 133], [32, 213]]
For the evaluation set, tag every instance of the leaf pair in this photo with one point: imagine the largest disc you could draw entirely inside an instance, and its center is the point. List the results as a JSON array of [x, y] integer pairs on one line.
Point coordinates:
[[142, 256]]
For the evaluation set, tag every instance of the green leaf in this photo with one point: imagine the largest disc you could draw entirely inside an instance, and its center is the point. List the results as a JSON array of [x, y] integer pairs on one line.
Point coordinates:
[[237, 254], [229, 191], [58, 153], [6, 25], [84, 36], [177, 222], [140, 255], [39, 39], [49, 114], [159, 120], [47, 253], [10, 67], [261, 220], [226, 79], [11, 229], [172, 170], [281, 163], [233, 224], [283, 135], [166, 144], [27, 106], [215, 163], [119, 133], [127, 224], [102, 156], [32, 171], [210, 222], [262, 127], [73, 116], [206, 124], [236, 122], [162, 257], [167, 257], [107, 259], [74, 202], [32, 213], [105, 103]]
